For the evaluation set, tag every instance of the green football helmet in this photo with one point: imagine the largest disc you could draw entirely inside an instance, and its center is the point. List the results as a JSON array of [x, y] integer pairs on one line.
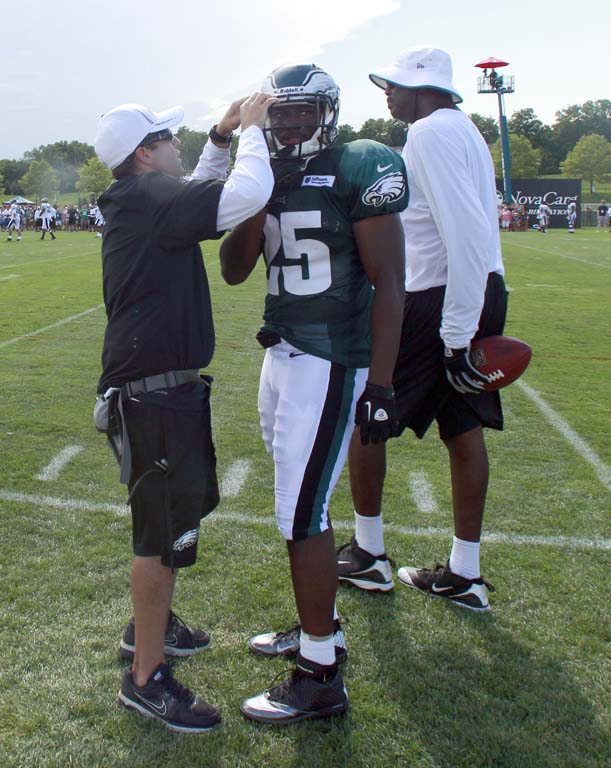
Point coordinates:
[[302, 85]]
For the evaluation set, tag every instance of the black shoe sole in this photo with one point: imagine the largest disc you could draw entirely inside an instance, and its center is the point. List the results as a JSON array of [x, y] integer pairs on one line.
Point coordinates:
[[130, 704]]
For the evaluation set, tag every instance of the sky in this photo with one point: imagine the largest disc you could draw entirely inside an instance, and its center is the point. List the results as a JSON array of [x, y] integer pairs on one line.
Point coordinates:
[[64, 64]]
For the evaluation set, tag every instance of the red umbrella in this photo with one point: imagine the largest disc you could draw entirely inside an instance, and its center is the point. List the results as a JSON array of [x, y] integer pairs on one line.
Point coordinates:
[[492, 63]]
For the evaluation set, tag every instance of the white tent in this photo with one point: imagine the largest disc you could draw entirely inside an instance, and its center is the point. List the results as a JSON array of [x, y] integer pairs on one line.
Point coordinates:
[[21, 200]]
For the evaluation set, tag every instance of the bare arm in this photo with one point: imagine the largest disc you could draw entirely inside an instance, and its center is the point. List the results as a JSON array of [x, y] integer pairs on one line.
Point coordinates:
[[241, 249], [381, 247]]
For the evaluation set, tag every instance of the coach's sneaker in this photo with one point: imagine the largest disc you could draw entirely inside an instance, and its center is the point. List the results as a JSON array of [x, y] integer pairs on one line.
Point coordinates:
[[180, 640], [166, 699], [312, 691], [287, 643], [364, 570], [441, 582]]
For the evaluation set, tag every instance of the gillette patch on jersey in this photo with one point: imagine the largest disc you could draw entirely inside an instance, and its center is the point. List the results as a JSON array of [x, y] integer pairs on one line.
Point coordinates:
[[318, 181]]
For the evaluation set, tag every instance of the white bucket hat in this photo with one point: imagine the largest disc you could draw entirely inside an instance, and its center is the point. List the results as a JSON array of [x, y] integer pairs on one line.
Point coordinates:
[[122, 129], [421, 67]]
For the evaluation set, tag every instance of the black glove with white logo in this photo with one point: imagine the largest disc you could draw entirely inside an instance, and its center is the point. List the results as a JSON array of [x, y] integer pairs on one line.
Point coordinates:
[[376, 415], [461, 374]]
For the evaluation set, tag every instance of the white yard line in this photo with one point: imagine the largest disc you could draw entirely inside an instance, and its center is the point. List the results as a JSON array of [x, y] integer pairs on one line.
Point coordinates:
[[235, 477], [53, 469], [579, 444], [422, 493], [226, 516], [8, 277], [42, 261], [562, 255], [49, 327]]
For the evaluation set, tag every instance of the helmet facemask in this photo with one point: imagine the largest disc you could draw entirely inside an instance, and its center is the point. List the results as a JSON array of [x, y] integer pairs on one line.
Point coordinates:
[[304, 134], [311, 88]]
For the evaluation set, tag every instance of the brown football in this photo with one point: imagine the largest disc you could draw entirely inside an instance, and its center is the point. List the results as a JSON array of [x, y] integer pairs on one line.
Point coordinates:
[[503, 358]]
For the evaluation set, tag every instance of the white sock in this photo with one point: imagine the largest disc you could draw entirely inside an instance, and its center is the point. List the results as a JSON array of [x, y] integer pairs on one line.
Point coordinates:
[[464, 558], [370, 533], [320, 650], [335, 613]]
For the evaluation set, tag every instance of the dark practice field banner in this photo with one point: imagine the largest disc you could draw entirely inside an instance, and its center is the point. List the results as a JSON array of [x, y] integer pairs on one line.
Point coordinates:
[[557, 193]]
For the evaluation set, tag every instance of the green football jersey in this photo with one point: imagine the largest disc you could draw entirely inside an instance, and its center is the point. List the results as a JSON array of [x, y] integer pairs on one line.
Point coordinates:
[[318, 296]]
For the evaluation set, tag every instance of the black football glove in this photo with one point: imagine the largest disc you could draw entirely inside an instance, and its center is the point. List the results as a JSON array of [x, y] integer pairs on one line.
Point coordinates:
[[376, 415], [461, 374]]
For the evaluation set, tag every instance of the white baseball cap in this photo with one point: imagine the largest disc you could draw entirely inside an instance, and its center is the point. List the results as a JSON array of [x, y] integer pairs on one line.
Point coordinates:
[[122, 129], [421, 67]]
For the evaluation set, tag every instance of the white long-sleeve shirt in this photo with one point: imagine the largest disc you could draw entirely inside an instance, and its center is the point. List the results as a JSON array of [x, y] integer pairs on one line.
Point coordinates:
[[250, 184], [451, 222]]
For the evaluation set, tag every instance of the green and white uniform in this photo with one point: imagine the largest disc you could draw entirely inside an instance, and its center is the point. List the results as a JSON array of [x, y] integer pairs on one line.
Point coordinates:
[[319, 303], [318, 296]]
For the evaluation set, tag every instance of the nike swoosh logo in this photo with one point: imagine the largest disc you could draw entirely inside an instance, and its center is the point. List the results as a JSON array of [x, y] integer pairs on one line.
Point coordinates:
[[296, 354], [382, 168], [162, 708], [435, 588]]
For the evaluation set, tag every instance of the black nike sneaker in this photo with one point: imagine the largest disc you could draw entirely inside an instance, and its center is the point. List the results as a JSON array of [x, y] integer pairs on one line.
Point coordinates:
[[364, 570], [441, 582], [287, 643], [180, 640], [312, 691], [165, 698]]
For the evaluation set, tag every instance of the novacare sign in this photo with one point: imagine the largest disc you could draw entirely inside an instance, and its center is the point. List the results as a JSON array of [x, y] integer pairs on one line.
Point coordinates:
[[557, 193]]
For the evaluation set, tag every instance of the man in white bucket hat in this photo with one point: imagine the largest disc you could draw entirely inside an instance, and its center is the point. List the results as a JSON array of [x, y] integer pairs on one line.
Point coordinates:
[[454, 293]]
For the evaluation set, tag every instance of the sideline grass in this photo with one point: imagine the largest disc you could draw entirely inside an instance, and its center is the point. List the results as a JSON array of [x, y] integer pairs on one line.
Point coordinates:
[[528, 685]]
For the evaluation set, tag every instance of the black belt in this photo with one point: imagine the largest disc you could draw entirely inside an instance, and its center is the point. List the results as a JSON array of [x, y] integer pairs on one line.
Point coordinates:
[[160, 381]]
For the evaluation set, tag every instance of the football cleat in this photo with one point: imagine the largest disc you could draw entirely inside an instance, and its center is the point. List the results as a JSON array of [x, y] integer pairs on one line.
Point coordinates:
[[180, 640], [312, 691], [164, 698], [441, 582], [287, 643], [364, 570]]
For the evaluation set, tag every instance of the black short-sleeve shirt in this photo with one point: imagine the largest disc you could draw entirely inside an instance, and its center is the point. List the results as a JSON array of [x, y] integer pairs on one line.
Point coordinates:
[[155, 285]]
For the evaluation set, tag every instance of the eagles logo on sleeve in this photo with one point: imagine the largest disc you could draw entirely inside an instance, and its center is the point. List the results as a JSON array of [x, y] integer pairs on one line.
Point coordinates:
[[385, 190]]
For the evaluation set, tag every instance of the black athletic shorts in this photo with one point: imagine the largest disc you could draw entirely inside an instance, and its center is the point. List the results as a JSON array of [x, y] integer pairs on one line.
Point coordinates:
[[422, 390], [171, 427]]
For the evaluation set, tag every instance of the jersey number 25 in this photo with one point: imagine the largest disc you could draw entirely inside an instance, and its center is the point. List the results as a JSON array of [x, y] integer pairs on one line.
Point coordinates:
[[311, 272]]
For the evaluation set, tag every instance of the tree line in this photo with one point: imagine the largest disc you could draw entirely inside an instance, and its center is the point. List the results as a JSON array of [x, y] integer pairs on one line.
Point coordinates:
[[577, 144]]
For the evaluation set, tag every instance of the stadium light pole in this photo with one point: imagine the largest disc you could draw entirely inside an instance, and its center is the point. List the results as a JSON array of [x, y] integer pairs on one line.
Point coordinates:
[[500, 84]]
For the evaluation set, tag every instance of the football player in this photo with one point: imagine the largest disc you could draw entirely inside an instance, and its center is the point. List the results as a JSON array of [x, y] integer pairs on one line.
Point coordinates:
[[571, 214], [331, 231], [543, 215], [47, 218], [14, 222]]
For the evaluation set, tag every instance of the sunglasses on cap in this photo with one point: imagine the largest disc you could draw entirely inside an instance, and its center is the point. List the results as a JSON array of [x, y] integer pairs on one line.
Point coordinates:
[[152, 138]]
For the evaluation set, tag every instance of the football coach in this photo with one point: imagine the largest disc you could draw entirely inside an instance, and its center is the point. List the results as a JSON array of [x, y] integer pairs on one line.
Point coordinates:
[[152, 401]]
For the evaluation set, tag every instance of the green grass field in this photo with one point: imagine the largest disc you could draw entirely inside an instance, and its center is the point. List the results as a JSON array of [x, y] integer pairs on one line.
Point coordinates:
[[431, 686]]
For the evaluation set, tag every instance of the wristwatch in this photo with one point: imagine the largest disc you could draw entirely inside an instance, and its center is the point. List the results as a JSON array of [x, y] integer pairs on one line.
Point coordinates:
[[218, 137]]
